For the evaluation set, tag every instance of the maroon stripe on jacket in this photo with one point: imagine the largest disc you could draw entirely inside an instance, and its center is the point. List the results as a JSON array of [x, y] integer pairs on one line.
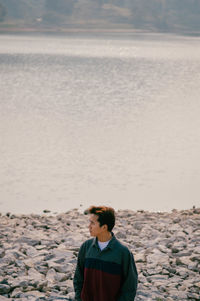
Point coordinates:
[[100, 286]]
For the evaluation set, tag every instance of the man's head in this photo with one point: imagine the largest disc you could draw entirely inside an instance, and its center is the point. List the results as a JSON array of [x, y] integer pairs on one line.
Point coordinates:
[[102, 219]]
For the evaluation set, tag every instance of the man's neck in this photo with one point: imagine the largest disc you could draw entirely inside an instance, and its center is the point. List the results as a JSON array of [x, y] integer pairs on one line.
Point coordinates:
[[104, 236]]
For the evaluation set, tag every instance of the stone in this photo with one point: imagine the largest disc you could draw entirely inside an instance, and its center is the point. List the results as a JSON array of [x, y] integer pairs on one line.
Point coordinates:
[[2, 253], [51, 275], [71, 296], [4, 289], [121, 234], [31, 251], [184, 261], [61, 277], [32, 294], [16, 293], [34, 274], [140, 257], [157, 258], [193, 296], [2, 298]]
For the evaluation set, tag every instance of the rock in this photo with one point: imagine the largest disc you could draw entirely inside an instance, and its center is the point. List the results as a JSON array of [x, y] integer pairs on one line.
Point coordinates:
[[31, 251], [31, 294], [157, 258], [51, 275], [140, 257], [29, 263], [34, 274], [121, 234], [29, 241], [2, 253], [16, 293], [22, 282], [4, 289], [71, 296], [197, 284], [184, 261], [60, 277], [193, 296], [2, 298]]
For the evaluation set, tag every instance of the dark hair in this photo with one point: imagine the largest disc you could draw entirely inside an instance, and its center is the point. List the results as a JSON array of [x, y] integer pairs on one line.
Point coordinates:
[[106, 215]]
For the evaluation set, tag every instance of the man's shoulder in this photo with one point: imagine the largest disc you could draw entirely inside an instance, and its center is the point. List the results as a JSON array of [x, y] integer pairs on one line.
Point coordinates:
[[88, 243], [121, 246]]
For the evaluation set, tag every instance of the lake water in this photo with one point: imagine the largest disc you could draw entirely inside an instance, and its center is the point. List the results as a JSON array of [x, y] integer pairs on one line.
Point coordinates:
[[107, 119]]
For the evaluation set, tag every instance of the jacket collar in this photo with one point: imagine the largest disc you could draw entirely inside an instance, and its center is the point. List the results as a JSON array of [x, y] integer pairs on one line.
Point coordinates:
[[109, 246]]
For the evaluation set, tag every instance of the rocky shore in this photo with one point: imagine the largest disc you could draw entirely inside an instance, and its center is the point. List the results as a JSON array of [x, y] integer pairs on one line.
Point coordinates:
[[38, 254]]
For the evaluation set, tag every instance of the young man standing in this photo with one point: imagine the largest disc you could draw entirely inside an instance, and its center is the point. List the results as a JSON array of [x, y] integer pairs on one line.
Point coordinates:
[[105, 268]]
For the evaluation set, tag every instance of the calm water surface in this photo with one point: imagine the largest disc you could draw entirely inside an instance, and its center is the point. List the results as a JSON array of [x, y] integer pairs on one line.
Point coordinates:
[[108, 119]]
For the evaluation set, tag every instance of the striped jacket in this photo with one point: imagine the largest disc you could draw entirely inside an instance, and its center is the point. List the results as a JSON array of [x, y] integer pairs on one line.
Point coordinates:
[[107, 275]]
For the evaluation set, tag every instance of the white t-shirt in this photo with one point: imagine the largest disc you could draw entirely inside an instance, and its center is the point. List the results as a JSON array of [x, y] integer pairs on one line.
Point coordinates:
[[103, 245]]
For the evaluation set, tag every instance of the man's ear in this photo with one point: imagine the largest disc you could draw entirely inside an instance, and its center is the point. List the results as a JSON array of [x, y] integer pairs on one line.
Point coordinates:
[[105, 227]]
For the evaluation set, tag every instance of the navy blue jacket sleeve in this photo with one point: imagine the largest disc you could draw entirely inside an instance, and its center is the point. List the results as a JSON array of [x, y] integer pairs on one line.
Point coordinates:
[[79, 274], [130, 279]]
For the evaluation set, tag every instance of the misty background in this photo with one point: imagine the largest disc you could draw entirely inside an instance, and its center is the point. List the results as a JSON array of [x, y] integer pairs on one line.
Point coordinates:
[[152, 15]]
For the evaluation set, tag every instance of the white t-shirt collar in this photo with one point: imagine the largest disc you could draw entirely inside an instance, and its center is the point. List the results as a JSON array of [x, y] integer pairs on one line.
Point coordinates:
[[103, 245]]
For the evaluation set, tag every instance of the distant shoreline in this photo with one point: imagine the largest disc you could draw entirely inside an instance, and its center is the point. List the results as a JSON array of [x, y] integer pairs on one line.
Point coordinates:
[[69, 30], [48, 212], [75, 30]]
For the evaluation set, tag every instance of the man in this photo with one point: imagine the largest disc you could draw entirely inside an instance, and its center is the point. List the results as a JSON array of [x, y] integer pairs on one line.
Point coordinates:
[[105, 268]]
